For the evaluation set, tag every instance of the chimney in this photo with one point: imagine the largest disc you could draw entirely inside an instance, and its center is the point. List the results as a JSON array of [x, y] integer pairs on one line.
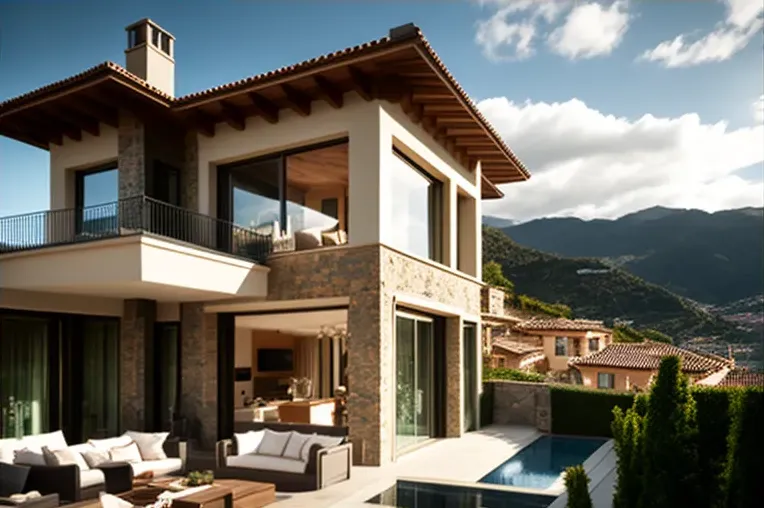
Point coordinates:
[[150, 55], [407, 31]]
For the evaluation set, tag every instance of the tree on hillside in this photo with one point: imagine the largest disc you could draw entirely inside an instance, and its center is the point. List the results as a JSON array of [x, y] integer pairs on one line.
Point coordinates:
[[656, 336], [670, 453], [493, 275], [745, 469]]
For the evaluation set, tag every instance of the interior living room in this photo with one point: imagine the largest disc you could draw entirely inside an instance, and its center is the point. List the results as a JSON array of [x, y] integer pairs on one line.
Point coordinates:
[[288, 366]]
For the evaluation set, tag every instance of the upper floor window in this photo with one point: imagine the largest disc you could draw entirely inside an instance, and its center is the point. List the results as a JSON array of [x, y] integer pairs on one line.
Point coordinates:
[[416, 209], [97, 187], [561, 346], [594, 345], [605, 380]]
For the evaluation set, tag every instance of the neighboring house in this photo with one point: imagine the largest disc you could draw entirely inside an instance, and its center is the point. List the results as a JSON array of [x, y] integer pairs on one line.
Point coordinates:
[[631, 366], [511, 354], [562, 339], [199, 247], [742, 377]]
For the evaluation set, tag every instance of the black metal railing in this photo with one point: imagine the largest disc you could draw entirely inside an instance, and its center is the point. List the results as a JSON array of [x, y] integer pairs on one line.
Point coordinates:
[[130, 216]]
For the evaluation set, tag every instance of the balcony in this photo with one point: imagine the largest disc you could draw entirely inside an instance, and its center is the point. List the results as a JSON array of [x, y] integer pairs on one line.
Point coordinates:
[[133, 248]]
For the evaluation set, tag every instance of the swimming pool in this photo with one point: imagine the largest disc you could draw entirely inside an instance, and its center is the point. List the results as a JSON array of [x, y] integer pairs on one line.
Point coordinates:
[[409, 494], [540, 464]]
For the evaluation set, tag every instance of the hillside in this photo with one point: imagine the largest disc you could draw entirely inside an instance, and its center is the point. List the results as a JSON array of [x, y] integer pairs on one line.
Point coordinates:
[[714, 258], [600, 291]]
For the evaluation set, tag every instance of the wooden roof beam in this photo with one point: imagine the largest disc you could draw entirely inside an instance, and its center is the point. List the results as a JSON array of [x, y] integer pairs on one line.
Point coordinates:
[[69, 130], [264, 107], [329, 92], [297, 101], [361, 83], [428, 93], [232, 116], [204, 123], [107, 115], [84, 122]]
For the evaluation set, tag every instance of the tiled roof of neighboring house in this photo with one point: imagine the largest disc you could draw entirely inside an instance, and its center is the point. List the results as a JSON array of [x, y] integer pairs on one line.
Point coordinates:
[[648, 355], [742, 377], [562, 324], [514, 347]]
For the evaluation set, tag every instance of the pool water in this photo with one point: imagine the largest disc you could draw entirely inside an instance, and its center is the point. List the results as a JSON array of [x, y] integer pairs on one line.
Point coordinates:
[[539, 464], [407, 494]]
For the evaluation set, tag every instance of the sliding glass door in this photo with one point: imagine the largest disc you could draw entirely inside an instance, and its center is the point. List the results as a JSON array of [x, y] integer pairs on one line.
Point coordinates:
[[414, 379], [166, 374], [24, 376], [470, 370], [100, 378]]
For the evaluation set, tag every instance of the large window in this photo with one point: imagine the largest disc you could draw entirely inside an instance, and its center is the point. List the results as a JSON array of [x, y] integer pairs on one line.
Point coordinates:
[[594, 345], [605, 380], [561, 346], [414, 363], [416, 209], [96, 195]]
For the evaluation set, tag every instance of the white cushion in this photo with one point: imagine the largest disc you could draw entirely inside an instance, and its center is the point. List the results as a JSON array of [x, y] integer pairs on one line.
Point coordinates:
[[53, 440], [91, 477], [7, 447], [27, 457], [64, 457], [95, 457], [273, 443], [109, 443], [150, 444], [323, 441], [258, 461], [295, 445], [248, 442], [159, 467], [127, 453]]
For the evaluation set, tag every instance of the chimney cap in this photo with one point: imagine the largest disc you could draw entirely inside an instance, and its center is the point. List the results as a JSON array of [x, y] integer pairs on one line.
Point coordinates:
[[148, 21], [407, 31]]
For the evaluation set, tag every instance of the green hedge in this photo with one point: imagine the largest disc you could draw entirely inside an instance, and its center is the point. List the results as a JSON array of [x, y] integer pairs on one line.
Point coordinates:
[[713, 417], [504, 374], [585, 412]]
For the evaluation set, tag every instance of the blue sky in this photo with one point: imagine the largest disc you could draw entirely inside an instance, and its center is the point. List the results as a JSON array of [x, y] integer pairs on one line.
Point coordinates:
[[545, 87]]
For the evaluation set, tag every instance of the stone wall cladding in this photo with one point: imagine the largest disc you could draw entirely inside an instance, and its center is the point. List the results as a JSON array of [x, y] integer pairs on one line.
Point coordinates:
[[492, 301], [519, 403], [132, 155], [137, 325], [371, 275], [454, 377], [199, 373], [189, 175]]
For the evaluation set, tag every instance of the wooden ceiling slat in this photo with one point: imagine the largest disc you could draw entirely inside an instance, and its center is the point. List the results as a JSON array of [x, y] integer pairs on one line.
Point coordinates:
[[361, 82], [264, 107], [329, 91], [463, 131], [107, 115], [297, 101], [452, 107], [75, 118], [453, 120], [233, 116]]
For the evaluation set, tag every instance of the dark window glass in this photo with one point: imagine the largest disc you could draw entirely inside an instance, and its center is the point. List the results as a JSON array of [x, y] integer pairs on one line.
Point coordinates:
[[155, 34], [166, 43], [256, 202], [330, 207]]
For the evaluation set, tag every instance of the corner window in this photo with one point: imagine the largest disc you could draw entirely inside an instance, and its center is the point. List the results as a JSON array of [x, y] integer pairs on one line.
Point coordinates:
[[416, 209], [605, 381], [561, 346], [594, 345]]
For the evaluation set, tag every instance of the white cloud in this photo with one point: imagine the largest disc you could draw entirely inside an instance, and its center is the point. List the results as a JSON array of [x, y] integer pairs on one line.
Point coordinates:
[[758, 109], [742, 22], [588, 30], [589, 164]]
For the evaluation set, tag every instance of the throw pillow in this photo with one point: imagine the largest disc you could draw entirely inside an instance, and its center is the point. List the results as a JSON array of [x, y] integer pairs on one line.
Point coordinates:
[[126, 453], [273, 443], [95, 457], [150, 444], [248, 442], [307, 239], [64, 457], [295, 444], [28, 457]]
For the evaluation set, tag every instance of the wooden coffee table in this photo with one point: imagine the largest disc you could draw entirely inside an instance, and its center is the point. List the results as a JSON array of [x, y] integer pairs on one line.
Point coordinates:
[[245, 494]]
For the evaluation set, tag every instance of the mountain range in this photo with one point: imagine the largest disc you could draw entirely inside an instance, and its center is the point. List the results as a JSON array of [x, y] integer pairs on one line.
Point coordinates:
[[712, 258]]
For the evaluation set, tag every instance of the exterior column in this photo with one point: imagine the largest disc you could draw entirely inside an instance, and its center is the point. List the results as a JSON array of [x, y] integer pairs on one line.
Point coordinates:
[[131, 145], [135, 364], [199, 373], [454, 378], [189, 174]]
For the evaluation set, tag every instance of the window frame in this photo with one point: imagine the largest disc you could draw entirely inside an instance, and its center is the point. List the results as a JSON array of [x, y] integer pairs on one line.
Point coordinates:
[[557, 339], [610, 383], [596, 341]]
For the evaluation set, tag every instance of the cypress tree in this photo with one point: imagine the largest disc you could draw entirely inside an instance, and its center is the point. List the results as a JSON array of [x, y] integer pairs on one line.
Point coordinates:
[[627, 434], [577, 484], [744, 475], [670, 453]]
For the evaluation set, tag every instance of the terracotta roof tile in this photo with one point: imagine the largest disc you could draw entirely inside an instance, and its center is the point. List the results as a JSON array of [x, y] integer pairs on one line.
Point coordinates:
[[742, 377], [647, 356], [562, 324], [518, 348]]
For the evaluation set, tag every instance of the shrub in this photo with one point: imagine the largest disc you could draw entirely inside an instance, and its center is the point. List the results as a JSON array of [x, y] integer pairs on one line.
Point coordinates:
[[512, 375], [713, 418], [627, 434], [656, 336], [585, 412], [745, 470], [670, 458], [577, 484], [493, 275], [530, 304]]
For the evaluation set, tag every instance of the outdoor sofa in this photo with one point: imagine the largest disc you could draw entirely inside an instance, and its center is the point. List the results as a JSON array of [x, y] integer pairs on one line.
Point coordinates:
[[13, 482], [294, 457], [84, 470]]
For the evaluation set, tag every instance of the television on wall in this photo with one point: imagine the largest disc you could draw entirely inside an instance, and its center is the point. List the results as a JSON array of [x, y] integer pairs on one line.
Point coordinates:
[[275, 360]]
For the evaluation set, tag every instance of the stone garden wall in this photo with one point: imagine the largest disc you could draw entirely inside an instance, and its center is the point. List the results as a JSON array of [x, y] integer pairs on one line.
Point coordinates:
[[520, 403]]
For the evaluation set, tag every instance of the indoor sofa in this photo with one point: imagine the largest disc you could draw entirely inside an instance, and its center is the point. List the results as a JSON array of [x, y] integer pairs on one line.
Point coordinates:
[[294, 457], [83, 470]]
